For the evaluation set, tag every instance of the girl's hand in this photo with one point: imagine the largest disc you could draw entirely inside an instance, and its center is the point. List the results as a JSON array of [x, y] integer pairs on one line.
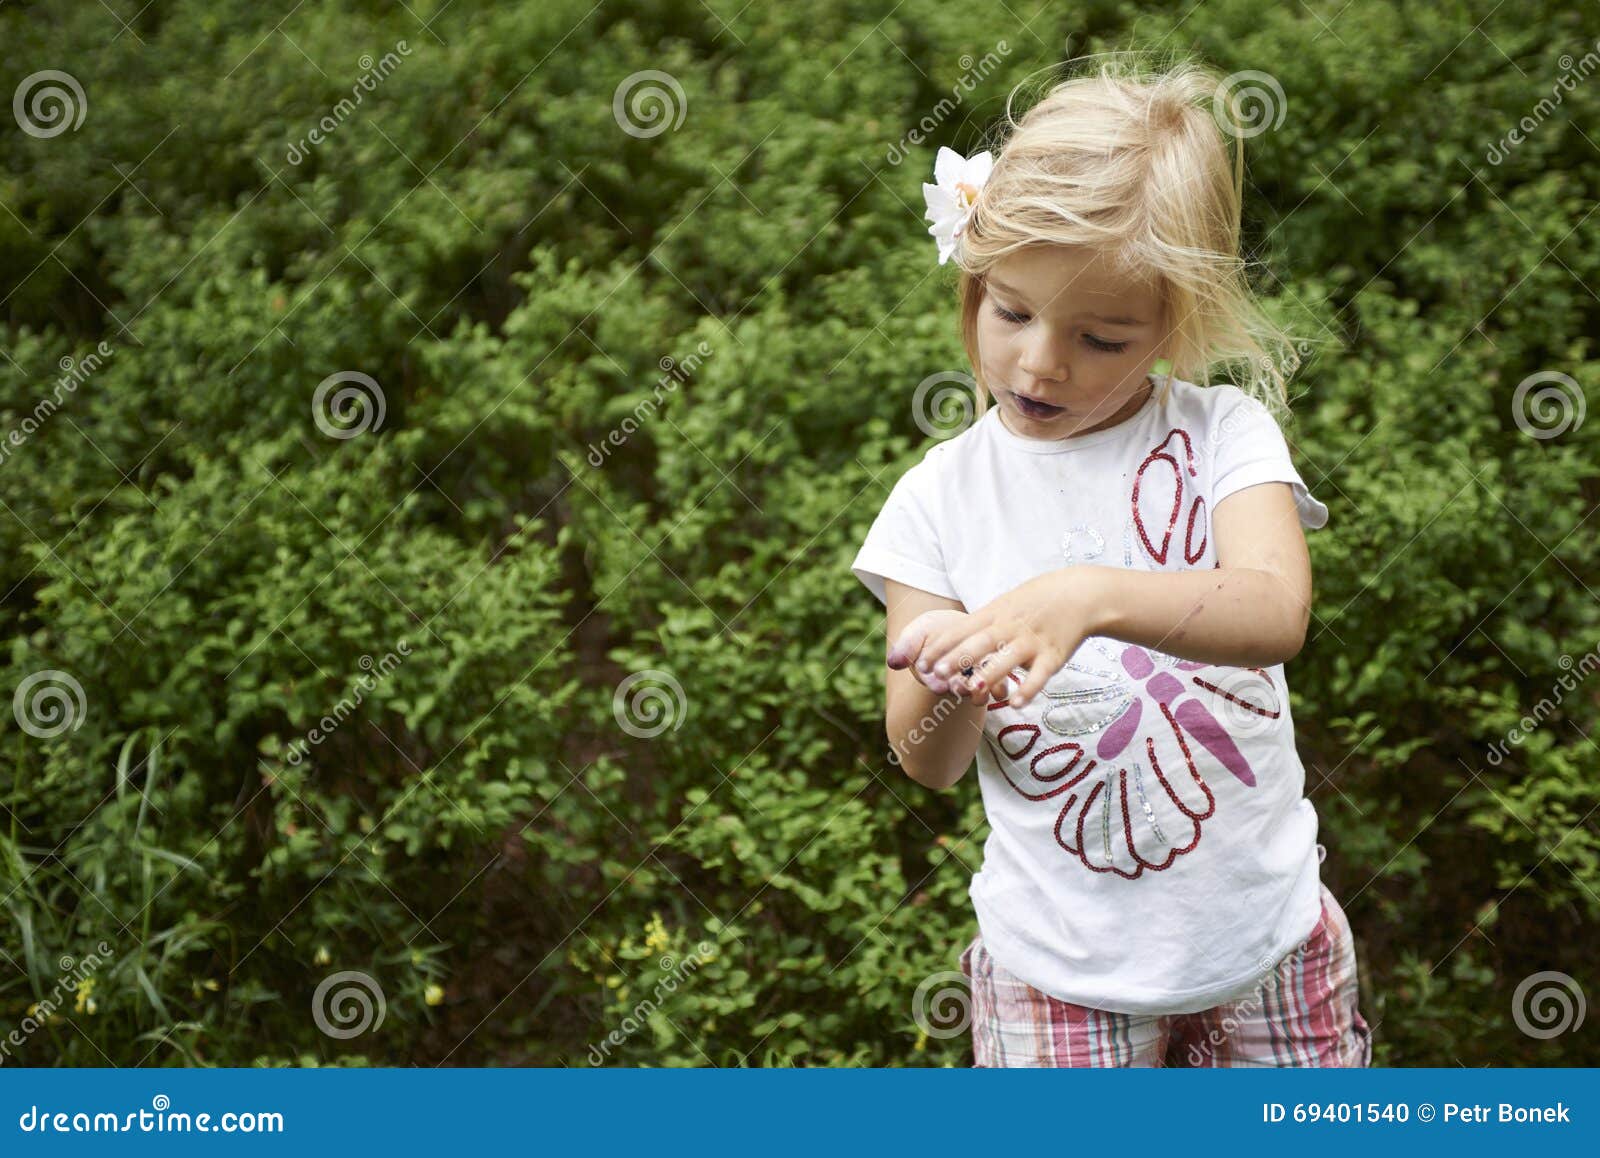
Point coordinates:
[[1038, 625], [912, 644]]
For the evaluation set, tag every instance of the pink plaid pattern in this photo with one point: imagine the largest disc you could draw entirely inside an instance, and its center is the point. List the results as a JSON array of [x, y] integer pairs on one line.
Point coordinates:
[[1305, 1014]]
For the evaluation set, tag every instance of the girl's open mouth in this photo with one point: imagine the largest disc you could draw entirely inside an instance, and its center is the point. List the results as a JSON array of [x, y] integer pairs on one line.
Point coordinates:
[[1035, 409]]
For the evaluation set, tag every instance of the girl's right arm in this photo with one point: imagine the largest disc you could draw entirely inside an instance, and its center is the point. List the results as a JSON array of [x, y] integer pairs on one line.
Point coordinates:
[[933, 735]]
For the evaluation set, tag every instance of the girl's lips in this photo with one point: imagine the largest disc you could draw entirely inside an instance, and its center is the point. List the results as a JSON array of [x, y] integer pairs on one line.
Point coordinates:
[[1035, 409]]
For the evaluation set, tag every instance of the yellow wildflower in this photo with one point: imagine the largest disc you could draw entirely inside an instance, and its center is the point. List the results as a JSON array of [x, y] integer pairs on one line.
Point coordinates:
[[433, 994]]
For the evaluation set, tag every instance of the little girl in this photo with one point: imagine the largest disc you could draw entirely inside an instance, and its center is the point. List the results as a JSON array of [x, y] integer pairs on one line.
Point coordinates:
[[1094, 588]]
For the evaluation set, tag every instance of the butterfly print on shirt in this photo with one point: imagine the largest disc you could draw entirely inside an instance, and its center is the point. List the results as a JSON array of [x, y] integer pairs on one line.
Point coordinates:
[[1127, 768]]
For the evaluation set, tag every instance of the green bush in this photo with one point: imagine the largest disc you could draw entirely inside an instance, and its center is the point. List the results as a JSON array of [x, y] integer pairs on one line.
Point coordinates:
[[553, 737]]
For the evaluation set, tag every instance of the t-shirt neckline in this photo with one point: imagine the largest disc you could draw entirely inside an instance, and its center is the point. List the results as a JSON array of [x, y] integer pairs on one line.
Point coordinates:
[[1010, 438]]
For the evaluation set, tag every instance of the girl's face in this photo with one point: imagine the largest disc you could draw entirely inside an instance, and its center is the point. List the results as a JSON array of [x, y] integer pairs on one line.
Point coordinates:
[[1058, 327]]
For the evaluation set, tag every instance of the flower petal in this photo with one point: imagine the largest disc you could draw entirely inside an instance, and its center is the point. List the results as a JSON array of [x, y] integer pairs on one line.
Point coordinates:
[[940, 202], [948, 166], [977, 169]]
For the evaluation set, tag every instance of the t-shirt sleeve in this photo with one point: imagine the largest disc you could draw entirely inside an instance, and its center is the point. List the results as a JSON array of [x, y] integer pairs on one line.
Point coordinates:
[[903, 541], [1251, 449]]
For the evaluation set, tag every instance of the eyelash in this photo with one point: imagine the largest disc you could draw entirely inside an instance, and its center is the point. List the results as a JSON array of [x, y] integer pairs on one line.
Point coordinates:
[[1093, 342]]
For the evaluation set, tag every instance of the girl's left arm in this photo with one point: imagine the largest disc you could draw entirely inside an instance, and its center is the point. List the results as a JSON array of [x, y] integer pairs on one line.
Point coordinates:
[[1252, 610]]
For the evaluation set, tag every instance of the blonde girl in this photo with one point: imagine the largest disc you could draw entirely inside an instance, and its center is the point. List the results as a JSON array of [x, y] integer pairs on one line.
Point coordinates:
[[1094, 589]]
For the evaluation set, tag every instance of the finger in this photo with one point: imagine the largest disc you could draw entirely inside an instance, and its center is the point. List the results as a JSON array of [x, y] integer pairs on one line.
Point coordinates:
[[961, 684], [1045, 665], [992, 680], [938, 685], [934, 646], [941, 642], [966, 652], [993, 667], [913, 638], [976, 678]]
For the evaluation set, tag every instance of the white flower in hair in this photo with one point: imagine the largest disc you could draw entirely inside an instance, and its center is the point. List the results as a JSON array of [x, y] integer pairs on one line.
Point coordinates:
[[951, 200]]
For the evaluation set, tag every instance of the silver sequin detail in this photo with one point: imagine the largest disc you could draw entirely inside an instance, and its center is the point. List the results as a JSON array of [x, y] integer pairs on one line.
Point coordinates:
[[1097, 544], [1105, 818], [1149, 813], [1089, 695], [1100, 724]]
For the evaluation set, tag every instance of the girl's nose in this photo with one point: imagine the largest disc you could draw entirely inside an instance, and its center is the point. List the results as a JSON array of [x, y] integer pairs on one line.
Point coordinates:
[[1043, 368]]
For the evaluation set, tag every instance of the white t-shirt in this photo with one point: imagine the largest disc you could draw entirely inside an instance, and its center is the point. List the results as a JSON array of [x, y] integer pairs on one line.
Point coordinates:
[[1151, 849]]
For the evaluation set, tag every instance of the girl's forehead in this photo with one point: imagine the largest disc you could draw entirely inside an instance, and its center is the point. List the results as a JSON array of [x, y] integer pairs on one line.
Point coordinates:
[[1073, 278]]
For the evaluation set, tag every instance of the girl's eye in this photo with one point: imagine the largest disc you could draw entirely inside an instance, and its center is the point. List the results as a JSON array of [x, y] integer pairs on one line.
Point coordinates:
[[1090, 340], [1107, 347]]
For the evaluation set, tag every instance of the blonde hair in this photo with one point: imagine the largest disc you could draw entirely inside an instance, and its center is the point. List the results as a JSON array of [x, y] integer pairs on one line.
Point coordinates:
[[1134, 164]]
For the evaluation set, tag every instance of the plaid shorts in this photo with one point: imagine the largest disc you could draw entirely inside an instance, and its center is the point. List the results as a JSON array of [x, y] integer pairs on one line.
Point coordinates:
[[1305, 1016]]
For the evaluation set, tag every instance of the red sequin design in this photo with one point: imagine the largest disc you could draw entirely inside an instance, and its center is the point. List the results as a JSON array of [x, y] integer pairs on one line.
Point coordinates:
[[1243, 703], [1162, 453], [1068, 771]]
